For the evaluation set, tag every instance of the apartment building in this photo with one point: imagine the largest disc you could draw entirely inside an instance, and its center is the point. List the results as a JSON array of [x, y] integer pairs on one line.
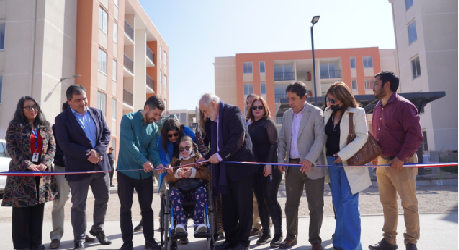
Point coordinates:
[[111, 47], [187, 117], [268, 74], [426, 43]]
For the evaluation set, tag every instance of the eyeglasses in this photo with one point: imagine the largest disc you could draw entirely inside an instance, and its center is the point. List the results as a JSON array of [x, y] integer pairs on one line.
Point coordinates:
[[28, 108], [185, 148], [332, 101], [173, 135], [257, 107]]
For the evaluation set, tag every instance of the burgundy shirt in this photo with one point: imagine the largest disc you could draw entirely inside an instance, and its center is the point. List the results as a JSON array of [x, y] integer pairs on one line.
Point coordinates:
[[396, 127]]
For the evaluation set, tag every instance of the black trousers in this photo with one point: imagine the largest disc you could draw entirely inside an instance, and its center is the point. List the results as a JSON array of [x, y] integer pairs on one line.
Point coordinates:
[[144, 188], [266, 193], [27, 226], [238, 210]]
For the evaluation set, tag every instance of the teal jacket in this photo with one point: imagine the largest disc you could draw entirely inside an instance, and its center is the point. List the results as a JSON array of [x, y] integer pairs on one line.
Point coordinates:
[[138, 144]]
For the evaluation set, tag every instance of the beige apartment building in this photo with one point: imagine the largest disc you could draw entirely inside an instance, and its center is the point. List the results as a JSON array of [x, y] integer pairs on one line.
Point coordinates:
[[426, 42], [112, 44]]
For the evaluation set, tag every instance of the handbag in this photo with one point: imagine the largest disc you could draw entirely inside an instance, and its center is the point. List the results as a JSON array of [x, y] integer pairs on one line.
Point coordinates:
[[368, 152], [187, 185]]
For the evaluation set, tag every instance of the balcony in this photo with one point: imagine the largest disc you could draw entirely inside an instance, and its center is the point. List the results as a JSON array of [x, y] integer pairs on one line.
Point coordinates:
[[128, 98], [279, 96], [150, 84], [284, 76], [330, 74], [128, 31], [150, 58], [128, 64]]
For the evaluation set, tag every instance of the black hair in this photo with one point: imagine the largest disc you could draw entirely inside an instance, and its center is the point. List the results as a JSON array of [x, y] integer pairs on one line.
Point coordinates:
[[74, 89], [170, 125], [20, 118], [153, 102], [65, 106], [297, 87], [389, 76]]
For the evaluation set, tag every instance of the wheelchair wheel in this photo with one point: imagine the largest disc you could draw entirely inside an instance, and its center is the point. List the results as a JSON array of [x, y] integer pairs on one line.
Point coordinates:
[[210, 243], [163, 231], [171, 245]]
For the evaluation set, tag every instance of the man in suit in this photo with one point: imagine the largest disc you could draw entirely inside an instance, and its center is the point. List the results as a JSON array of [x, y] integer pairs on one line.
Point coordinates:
[[301, 140], [83, 136], [230, 141]]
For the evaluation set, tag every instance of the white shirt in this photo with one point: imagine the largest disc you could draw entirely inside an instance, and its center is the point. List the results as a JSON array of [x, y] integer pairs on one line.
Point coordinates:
[[296, 124]]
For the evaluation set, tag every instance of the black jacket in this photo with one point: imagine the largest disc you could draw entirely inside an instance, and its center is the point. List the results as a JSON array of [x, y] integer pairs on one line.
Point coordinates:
[[59, 156]]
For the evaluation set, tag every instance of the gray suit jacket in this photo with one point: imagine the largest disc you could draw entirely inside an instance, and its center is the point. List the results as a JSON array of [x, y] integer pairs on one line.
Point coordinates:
[[311, 139]]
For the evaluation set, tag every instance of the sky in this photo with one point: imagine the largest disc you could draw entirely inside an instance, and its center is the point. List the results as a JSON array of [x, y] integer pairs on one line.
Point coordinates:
[[197, 31]]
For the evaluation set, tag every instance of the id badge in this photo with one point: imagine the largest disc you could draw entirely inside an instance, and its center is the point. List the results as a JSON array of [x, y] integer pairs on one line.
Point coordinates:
[[35, 157]]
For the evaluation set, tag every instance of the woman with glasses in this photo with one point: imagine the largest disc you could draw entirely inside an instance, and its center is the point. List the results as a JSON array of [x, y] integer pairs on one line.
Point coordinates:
[[263, 133], [30, 143], [346, 182]]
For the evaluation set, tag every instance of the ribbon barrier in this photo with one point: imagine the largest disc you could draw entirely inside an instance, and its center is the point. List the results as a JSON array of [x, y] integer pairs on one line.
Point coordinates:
[[43, 173]]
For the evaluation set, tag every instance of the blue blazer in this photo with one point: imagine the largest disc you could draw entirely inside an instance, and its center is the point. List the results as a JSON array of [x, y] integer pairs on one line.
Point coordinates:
[[75, 144]]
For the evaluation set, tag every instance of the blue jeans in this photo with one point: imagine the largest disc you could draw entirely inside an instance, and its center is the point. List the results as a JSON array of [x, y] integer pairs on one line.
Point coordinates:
[[348, 227]]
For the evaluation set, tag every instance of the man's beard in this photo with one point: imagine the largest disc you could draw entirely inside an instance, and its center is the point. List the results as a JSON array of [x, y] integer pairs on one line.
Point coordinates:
[[380, 94], [213, 114], [149, 119]]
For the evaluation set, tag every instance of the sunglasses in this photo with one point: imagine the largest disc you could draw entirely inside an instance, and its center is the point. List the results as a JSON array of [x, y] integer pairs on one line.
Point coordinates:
[[185, 148], [173, 135], [332, 101], [257, 107], [28, 108]]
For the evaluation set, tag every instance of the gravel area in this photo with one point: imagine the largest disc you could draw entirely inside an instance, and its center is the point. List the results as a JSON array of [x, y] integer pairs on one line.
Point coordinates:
[[432, 199]]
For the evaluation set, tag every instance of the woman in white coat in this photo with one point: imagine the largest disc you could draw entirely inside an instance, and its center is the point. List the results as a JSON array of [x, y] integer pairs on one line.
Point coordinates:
[[346, 182]]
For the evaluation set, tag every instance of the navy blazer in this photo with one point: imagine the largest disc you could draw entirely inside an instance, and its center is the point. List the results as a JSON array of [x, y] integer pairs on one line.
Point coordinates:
[[237, 145], [75, 144]]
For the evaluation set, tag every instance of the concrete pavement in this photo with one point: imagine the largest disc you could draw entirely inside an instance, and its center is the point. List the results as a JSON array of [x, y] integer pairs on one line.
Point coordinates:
[[438, 231]]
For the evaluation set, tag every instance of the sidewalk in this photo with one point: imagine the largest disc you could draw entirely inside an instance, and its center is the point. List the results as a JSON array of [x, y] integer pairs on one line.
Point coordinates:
[[438, 231]]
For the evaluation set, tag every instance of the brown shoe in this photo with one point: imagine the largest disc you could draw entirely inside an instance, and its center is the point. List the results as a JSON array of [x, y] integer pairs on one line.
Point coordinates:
[[317, 246], [54, 244], [89, 239], [254, 231], [288, 243]]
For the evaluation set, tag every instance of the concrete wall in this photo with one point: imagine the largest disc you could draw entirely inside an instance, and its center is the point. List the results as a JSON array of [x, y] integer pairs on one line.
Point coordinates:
[[225, 79]]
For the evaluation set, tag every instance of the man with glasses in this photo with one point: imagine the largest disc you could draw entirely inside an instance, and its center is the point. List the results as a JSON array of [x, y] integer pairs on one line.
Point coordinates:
[[139, 143]]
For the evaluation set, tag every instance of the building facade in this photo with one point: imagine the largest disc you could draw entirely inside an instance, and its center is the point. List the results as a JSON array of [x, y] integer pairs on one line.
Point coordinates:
[[426, 43], [112, 44], [268, 74]]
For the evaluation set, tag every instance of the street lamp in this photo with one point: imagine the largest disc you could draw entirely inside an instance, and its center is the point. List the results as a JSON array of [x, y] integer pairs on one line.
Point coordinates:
[[315, 19], [64, 78]]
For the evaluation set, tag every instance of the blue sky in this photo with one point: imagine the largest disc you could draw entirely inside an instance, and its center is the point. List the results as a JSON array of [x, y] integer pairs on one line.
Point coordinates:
[[198, 31]]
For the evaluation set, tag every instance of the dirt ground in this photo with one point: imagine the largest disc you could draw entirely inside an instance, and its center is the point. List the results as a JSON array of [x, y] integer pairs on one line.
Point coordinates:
[[432, 199]]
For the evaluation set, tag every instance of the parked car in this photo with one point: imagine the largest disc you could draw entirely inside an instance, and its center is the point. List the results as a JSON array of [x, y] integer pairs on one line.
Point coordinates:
[[4, 164]]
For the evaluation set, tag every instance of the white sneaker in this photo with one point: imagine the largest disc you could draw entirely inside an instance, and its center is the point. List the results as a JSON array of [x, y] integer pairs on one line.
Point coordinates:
[[180, 228], [201, 228]]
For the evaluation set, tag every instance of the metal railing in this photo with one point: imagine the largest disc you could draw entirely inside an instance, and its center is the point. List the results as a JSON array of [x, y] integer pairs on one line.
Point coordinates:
[[284, 76], [128, 63], [128, 97], [150, 82], [327, 74], [150, 55], [128, 30], [279, 96]]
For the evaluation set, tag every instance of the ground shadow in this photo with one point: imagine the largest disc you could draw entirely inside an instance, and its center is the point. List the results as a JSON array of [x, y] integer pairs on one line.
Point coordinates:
[[452, 216]]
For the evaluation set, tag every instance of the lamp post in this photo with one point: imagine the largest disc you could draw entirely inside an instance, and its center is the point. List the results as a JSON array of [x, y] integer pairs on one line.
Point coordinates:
[[64, 78], [315, 19]]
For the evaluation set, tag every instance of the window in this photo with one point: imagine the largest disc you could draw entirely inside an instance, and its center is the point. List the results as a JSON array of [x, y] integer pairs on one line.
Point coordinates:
[[352, 62], [263, 88], [369, 83], [182, 118], [114, 70], [165, 82], [165, 58], [247, 66], [354, 84], [160, 54], [408, 4], [368, 62], [416, 67], [160, 79], [102, 19], [115, 32], [2, 35], [262, 67], [102, 61], [284, 72], [113, 109], [116, 2], [412, 36], [101, 102], [1, 88], [248, 89]]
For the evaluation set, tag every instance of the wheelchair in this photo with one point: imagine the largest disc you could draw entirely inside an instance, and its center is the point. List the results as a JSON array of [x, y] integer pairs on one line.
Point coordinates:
[[169, 237]]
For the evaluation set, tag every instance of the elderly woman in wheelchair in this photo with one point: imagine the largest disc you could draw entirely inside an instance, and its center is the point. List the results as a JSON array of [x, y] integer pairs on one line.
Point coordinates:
[[188, 185]]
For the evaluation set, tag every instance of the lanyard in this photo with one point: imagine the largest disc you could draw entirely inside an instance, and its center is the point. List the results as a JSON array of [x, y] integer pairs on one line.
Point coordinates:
[[34, 132]]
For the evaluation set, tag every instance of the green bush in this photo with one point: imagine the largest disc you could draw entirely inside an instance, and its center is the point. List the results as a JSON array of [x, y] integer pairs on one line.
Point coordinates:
[[447, 155]]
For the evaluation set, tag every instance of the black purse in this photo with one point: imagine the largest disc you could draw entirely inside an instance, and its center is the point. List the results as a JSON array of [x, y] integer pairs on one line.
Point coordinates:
[[187, 185]]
